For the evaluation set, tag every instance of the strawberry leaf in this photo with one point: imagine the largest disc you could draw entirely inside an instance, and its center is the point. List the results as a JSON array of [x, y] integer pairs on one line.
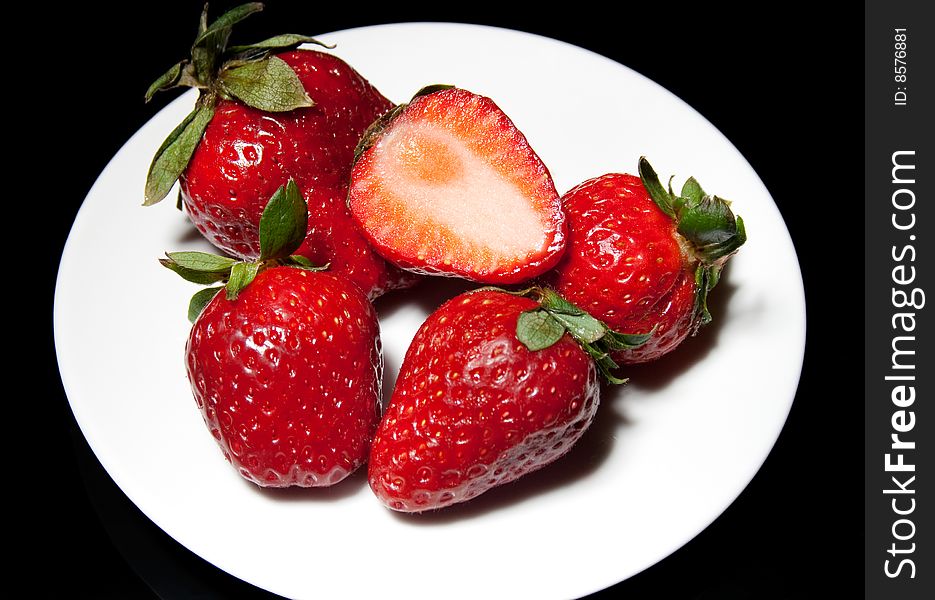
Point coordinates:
[[278, 43], [605, 364], [242, 274], [200, 300], [584, 328], [268, 84], [199, 277], [202, 261], [198, 267], [614, 340], [558, 305], [283, 223], [203, 21], [712, 229], [167, 80], [301, 262], [212, 40], [282, 230], [541, 327], [206, 54], [537, 329], [233, 16], [691, 190], [650, 179], [177, 149]]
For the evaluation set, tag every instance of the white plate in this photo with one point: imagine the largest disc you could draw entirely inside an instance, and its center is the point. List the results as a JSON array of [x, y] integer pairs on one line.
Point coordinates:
[[666, 455]]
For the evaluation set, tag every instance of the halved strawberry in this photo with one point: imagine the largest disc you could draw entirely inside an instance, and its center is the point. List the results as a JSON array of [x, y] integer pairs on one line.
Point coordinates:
[[448, 185]]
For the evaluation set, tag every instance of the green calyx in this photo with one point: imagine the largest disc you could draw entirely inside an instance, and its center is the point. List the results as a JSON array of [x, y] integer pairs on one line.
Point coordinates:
[[541, 327], [282, 231], [250, 74], [706, 222]]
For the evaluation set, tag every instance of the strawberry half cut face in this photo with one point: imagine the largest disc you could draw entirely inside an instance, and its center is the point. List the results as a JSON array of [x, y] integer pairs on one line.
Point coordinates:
[[448, 185]]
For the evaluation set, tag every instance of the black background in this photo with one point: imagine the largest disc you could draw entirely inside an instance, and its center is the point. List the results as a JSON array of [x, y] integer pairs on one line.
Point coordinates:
[[782, 82]]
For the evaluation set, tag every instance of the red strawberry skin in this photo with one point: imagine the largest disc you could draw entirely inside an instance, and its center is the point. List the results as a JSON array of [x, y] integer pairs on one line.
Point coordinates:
[[453, 188], [626, 264], [473, 408], [288, 377], [246, 154]]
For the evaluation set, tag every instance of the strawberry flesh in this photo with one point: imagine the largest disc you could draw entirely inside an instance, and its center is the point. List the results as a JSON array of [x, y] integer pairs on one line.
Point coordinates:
[[452, 187]]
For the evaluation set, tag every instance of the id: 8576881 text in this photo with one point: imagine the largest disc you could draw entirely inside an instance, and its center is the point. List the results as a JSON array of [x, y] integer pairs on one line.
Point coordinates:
[[900, 66]]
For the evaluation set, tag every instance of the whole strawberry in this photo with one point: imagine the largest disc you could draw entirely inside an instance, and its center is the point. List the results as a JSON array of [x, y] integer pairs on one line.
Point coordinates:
[[285, 362], [268, 112], [448, 185], [642, 258], [494, 386]]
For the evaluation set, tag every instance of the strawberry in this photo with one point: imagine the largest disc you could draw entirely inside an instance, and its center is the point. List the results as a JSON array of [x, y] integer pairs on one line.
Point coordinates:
[[285, 362], [447, 185], [641, 258], [267, 113], [494, 386]]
